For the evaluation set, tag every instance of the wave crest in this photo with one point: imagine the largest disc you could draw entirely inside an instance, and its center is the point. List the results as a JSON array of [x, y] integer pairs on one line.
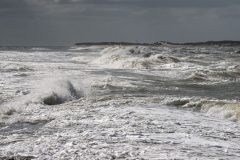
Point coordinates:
[[216, 108], [65, 91]]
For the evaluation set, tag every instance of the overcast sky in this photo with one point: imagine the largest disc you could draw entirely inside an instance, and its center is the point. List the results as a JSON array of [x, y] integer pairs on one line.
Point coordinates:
[[65, 22]]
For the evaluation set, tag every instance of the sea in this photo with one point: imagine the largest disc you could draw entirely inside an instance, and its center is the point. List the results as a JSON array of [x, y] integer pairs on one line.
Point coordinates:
[[120, 102]]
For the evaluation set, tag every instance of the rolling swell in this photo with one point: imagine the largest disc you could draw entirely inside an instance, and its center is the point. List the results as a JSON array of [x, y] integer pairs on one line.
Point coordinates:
[[14, 67], [206, 72]]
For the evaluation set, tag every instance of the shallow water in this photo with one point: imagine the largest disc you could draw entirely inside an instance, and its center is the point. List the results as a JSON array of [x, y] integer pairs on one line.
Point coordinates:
[[116, 102]]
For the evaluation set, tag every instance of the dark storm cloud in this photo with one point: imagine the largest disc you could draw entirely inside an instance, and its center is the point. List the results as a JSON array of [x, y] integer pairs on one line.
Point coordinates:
[[14, 8], [24, 4], [151, 3], [53, 22]]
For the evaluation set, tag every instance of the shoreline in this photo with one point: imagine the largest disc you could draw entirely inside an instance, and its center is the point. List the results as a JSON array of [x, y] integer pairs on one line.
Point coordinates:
[[224, 43]]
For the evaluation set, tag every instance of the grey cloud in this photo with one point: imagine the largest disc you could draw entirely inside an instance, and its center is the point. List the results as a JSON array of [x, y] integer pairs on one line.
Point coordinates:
[[61, 22], [10, 4]]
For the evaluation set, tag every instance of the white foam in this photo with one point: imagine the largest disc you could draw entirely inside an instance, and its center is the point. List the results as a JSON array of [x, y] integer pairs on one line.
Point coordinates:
[[83, 59], [40, 49], [123, 132]]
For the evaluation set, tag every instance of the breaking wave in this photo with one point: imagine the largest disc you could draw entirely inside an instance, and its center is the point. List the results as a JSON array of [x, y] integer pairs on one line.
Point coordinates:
[[49, 92], [133, 58], [61, 92]]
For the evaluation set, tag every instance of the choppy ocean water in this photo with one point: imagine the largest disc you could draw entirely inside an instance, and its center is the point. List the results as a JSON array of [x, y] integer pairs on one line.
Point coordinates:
[[120, 102]]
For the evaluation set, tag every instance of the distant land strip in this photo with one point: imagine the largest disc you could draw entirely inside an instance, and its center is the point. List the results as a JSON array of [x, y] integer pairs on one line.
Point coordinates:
[[207, 43]]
